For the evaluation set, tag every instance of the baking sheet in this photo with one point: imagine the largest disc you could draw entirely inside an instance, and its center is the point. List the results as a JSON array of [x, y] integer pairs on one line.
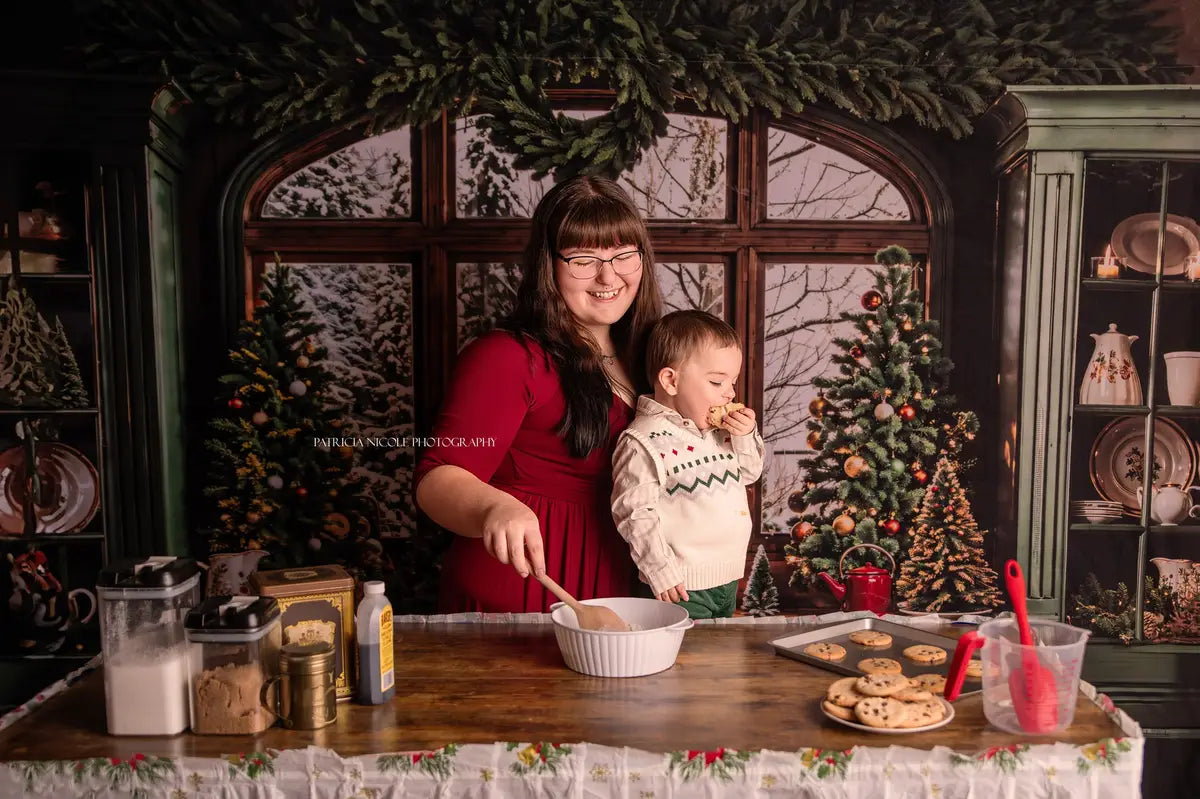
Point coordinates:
[[903, 636]]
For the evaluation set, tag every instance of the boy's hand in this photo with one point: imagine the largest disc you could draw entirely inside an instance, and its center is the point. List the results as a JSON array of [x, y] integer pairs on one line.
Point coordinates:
[[740, 422], [676, 594]]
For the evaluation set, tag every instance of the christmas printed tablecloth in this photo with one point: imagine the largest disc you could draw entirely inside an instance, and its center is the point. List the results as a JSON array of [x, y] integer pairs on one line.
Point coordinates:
[[543, 769], [550, 769]]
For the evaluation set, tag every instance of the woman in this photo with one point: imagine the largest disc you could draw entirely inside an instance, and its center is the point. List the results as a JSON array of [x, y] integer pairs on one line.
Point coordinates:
[[549, 392]]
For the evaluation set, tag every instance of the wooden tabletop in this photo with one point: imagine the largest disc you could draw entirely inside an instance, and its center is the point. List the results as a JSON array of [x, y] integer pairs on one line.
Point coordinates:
[[476, 683]]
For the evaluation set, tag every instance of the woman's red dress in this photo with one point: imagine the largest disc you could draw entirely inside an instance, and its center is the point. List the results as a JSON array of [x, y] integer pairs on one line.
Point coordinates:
[[504, 403]]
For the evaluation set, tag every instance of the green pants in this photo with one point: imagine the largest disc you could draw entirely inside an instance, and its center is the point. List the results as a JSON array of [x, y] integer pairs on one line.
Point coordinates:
[[711, 603]]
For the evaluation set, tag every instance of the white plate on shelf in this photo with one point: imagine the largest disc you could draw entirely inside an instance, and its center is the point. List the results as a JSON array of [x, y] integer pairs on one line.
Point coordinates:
[[1136, 240], [70, 490], [1117, 455], [897, 730]]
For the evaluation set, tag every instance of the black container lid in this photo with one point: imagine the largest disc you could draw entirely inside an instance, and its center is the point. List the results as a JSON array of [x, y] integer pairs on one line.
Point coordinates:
[[150, 573], [232, 613]]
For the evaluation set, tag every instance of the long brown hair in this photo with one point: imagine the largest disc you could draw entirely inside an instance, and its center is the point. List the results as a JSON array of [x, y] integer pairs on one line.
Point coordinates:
[[584, 212]]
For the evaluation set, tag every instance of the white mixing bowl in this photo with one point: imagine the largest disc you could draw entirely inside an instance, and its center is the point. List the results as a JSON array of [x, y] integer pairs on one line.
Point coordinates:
[[650, 647]]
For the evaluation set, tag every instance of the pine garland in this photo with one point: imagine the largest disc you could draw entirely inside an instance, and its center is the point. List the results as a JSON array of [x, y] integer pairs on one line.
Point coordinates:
[[387, 63]]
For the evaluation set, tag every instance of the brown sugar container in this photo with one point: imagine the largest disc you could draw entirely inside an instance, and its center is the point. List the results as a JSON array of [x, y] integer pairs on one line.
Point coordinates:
[[234, 651], [316, 603]]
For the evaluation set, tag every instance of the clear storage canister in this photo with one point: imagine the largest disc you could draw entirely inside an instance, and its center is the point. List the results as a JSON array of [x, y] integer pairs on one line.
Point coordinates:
[[142, 605], [234, 644]]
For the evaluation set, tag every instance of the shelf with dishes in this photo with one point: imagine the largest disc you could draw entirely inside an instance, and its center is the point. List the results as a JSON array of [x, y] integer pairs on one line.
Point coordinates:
[[1130, 258]]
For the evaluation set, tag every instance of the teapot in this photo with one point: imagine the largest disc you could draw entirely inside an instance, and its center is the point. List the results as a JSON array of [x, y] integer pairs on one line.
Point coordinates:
[[1110, 377], [1172, 503], [867, 587]]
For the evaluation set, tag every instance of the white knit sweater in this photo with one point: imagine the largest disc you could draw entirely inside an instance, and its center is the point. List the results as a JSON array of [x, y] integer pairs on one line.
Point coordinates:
[[679, 498]]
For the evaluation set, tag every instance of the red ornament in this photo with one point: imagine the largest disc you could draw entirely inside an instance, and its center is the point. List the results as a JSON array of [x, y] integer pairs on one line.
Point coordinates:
[[872, 300], [801, 530], [921, 476], [856, 352], [907, 412], [235, 403], [891, 526], [302, 491]]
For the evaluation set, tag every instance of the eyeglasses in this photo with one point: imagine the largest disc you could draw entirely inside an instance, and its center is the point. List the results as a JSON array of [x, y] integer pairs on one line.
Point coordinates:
[[586, 267]]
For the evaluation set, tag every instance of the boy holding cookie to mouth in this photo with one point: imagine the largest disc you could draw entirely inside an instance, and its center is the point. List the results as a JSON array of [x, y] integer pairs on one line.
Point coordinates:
[[681, 467]]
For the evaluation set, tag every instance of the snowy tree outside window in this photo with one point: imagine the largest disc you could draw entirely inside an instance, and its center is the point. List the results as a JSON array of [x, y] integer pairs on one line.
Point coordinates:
[[688, 286], [803, 302], [807, 180], [681, 177], [366, 311], [370, 179], [486, 293]]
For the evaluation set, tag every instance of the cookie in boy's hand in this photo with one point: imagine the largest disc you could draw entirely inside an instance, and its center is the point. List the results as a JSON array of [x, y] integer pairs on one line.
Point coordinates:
[[716, 415]]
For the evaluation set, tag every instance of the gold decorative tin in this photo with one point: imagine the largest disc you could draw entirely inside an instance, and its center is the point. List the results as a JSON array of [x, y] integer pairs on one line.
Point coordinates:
[[316, 603]]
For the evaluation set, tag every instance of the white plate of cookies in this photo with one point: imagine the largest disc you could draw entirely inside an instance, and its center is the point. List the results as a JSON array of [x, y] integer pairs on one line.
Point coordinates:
[[887, 703]]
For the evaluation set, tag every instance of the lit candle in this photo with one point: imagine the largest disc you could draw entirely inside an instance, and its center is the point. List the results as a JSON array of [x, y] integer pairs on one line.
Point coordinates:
[[1108, 266]]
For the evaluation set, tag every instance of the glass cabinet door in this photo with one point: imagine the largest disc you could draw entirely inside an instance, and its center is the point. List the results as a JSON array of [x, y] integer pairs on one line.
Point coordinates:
[[1134, 527]]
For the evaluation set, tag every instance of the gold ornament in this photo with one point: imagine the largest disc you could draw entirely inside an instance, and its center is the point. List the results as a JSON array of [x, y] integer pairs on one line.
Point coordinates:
[[817, 406], [814, 440], [252, 517], [302, 361], [872, 512], [908, 325], [855, 465], [843, 524], [337, 525]]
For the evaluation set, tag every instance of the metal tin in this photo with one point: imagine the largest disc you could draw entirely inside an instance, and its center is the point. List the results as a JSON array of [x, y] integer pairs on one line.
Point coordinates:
[[316, 603], [303, 696]]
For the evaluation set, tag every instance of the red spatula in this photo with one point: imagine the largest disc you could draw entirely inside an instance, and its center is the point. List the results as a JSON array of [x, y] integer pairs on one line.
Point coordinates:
[[1034, 696]]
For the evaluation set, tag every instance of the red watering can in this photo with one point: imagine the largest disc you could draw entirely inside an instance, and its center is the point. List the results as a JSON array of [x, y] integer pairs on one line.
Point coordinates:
[[867, 587]]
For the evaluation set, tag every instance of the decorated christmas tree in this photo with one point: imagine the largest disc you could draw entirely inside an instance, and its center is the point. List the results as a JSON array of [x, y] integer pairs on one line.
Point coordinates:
[[37, 367], [276, 485], [875, 429], [761, 597], [946, 568]]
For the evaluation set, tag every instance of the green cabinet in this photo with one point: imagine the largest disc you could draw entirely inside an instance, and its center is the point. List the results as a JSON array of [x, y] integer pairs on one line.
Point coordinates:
[[1098, 294], [89, 215]]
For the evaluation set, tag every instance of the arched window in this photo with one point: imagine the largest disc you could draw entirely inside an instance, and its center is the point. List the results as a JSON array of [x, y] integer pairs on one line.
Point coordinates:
[[407, 246]]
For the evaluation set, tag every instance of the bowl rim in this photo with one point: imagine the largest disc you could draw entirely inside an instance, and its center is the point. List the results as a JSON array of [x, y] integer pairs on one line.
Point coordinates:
[[686, 623]]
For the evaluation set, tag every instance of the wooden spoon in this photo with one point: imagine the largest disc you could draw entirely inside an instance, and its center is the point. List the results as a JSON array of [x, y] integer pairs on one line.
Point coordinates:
[[590, 617]]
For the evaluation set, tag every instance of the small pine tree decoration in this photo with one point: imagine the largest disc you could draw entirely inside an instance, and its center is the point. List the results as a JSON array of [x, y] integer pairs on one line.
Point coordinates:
[[37, 367], [761, 597], [876, 426], [946, 568], [71, 393], [274, 487]]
